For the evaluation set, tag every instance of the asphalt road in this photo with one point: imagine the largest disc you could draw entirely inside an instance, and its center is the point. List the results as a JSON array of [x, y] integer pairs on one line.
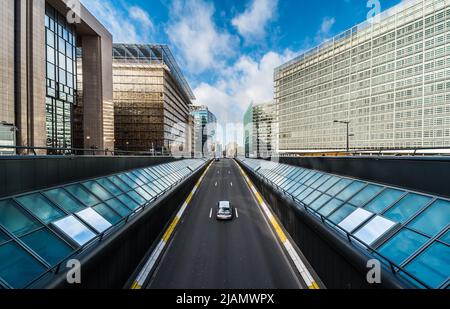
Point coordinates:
[[241, 254]]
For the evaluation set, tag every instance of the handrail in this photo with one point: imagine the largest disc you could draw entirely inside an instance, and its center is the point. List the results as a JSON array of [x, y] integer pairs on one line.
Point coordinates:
[[392, 265], [100, 237]]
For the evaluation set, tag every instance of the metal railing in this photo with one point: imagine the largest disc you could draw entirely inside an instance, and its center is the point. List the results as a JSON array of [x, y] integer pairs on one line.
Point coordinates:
[[56, 269], [61, 151], [394, 267]]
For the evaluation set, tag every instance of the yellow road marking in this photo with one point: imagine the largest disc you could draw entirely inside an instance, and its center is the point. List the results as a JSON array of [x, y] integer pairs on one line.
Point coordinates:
[[170, 230], [314, 286], [278, 230]]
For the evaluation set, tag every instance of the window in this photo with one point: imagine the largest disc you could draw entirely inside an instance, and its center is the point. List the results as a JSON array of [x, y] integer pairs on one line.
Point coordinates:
[[432, 266], [95, 188], [42, 208], [434, 219], [402, 245], [341, 213], [374, 229], [407, 207], [15, 219], [75, 230], [93, 219], [119, 207], [87, 198], [64, 200], [365, 195], [339, 186], [350, 190], [384, 200], [355, 219]]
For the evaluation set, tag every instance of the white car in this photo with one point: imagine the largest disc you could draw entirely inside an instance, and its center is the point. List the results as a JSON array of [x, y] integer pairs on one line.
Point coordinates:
[[224, 211]]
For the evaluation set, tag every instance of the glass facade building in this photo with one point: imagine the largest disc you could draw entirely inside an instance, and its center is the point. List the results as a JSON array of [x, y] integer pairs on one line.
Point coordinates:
[[151, 100], [388, 76], [260, 130], [408, 231], [205, 129], [61, 81]]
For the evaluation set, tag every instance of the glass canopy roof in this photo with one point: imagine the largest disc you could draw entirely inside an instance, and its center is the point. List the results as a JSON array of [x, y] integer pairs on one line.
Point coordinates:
[[39, 230], [408, 231]]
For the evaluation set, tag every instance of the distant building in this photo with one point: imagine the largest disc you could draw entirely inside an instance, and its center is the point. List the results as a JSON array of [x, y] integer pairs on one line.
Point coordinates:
[[205, 129], [151, 100], [38, 76], [260, 134], [389, 77]]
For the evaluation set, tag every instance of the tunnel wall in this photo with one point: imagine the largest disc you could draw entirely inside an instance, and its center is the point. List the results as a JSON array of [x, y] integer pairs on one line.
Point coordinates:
[[337, 262], [23, 174], [111, 263], [424, 174]]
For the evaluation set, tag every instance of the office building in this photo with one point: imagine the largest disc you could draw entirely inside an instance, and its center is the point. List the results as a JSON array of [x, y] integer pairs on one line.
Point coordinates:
[[151, 100], [260, 130], [38, 71], [389, 77], [205, 128]]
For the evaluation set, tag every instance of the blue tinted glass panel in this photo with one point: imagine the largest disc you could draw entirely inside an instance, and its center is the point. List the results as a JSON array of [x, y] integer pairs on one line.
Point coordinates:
[[329, 183], [108, 185], [15, 219], [144, 193], [402, 245], [365, 195], [97, 190], [312, 197], [135, 178], [320, 202], [3, 238], [432, 266], [320, 181], [139, 199], [341, 185], [64, 200], [107, 213], [74, 229], [294, 188], [313, 179], [305, 194], [342, 213], [48, 246], [39, 206], [118, 207], [128, 201], [350, 190], [84, 196], [407, 207], [17, 267], [434, 219], [446, 237], [300, 190], [330, 207], [384, 200], [128, 181], [141, 176], [118, 182]]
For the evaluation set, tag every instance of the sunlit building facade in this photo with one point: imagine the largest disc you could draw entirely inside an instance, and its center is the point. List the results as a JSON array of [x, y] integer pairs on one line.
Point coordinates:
[[38, 70], [205, 128], [151, 100], [390, 77]]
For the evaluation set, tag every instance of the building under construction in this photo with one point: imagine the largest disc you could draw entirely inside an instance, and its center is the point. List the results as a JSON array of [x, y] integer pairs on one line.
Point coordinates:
[[151, 100]]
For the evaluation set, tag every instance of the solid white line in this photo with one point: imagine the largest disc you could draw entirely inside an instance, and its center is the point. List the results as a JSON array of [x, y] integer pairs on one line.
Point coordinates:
[[237, 214], [231, 183], [210, 214]]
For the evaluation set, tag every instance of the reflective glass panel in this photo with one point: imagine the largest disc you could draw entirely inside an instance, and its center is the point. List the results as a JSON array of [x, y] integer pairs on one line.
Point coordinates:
[[446, 237], [342, 213], [374, 229], [64, 200], [128, 181], [402, 245], [304, 194], [97, 190], [94, 220], [118, 207], [320, 181], [74, 229], [107, 213], [84, 196], [108, 185], [330, 207], [119, 183], [351, 190], [128, 201], [3, 237], [135, 178], [15, 219], [342, 184], [355, 219], [432, 266], [384, 200], [365, 195], [329, 183], [39, 206], [18, 267], [312, 197], [320, 201], [48, 246], [407, 207], [139, 199], [144, 193], [434, 219]]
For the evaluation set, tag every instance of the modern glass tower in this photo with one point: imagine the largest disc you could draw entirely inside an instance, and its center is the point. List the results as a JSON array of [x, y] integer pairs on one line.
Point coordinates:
[[205, 129], [260, 130], [389, 77]]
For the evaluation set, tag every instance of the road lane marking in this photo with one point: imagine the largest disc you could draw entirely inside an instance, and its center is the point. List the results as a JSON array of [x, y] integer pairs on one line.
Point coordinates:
[[304, 272], [150, 264], [231, 183], [237, 214], [210, 214], [216, 184]]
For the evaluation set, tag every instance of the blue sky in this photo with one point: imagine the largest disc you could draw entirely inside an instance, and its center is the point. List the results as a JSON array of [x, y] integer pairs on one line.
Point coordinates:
[[228, 49]]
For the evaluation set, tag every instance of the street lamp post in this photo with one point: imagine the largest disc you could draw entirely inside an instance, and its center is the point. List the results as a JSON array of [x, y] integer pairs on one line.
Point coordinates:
[[347, 123]]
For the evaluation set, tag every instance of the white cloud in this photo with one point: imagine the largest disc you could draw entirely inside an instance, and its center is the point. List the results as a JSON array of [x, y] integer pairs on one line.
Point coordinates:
[[325, 29], [192, 30], [248, 80], [252, 23], [127, 24]]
